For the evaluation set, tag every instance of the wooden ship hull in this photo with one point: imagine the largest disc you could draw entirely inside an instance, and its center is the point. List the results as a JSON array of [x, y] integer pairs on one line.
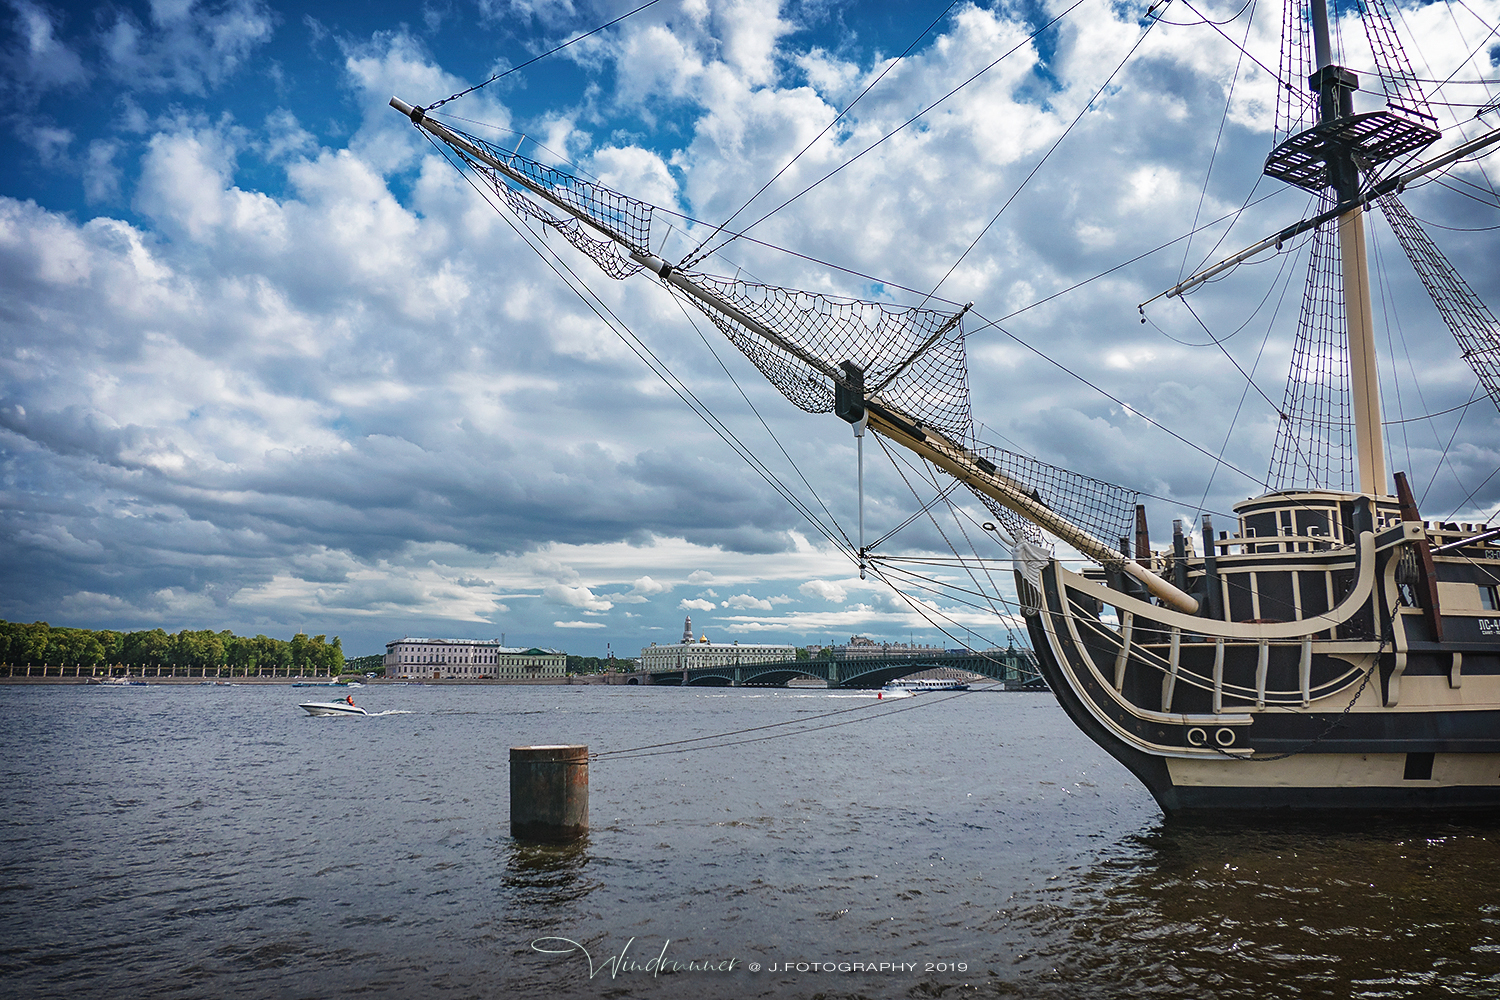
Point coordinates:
[[1321, 685]]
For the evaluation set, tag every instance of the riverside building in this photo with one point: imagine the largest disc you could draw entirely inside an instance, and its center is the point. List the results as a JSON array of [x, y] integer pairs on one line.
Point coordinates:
[[472, 659], [860, 648], [690, 653]]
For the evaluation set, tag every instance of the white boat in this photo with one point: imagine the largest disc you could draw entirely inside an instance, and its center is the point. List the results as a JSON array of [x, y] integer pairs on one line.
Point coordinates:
[[905, 687], [332, 708]]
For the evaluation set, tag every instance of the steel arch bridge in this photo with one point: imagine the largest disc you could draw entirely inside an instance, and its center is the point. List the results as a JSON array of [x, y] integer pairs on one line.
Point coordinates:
[[1015, 668]]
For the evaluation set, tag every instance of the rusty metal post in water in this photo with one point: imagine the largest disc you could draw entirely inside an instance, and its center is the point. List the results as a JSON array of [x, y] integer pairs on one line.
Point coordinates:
[[549, 792]]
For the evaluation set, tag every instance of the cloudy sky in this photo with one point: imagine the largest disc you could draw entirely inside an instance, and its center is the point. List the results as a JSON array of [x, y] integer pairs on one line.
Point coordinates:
[[268, 363]]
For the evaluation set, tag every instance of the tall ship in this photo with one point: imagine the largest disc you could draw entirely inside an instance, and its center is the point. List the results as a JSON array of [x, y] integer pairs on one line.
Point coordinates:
[[1331, 650]]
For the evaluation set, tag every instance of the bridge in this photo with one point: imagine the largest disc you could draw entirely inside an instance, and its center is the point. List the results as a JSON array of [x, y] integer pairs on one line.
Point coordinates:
[[1014, 668]]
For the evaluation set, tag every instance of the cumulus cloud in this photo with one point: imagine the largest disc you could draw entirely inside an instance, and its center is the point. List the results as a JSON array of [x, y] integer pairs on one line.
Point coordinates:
[[747, 601], [648, 587], [578, 597], [185, 46], [826, 589], [696, 605]]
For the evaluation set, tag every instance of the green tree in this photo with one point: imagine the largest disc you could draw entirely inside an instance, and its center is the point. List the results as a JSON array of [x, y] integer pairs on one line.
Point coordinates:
[[372, 664], [300, 653], [197, 649], [67, 647], [273, 654], [28, 643], [113, 644], [147, 648]]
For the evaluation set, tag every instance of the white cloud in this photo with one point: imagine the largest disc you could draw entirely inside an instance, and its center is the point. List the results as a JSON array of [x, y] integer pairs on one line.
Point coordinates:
[[579, 625], [697, 605], [649, 587], [185, 47], [101, 177], [826, 589], [578, 597], [40, 61], [743, 602]]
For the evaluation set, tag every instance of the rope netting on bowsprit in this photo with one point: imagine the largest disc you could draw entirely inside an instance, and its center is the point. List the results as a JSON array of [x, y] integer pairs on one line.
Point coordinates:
[[912, 359], [626, 219], [1104, 510]]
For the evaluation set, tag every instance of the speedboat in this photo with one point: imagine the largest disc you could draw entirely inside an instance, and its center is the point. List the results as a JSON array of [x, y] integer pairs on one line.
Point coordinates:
[[332, 708]]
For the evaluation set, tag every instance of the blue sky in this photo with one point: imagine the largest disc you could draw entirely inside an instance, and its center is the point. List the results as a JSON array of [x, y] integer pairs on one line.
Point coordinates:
[[267, 363]]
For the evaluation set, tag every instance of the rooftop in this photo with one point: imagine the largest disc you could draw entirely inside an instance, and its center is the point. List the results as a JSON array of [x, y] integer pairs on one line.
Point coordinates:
[[492, 644]]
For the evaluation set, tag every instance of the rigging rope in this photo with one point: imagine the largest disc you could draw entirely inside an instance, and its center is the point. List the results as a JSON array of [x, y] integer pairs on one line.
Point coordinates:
[[878, 142], [1284, 276], [535, 59], [1213, 156], [1120, 402], [848, 542], [641, 350], [1316, 408], [697, 255], [1038, 165], [1471, 322]]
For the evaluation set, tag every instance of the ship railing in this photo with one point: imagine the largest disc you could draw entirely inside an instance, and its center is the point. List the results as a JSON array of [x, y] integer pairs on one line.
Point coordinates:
[[1165, 658]]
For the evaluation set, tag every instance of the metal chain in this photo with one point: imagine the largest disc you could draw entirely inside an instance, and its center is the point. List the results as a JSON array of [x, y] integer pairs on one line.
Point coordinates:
[[1374, 664]]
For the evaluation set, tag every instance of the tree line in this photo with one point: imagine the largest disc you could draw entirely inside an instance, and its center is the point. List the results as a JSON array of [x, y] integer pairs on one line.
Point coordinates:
[[39, 644], [597, 665]]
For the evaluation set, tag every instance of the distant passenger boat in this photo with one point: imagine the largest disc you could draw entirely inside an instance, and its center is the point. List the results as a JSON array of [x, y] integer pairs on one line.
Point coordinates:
[[905, 687]]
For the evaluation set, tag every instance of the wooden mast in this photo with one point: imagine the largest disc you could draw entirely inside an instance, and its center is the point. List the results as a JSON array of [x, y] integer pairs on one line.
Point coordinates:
[[1336, 86]]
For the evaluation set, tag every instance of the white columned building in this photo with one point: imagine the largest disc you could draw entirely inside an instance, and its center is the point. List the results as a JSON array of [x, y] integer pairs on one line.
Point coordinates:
[[691, 653], [472, 659]]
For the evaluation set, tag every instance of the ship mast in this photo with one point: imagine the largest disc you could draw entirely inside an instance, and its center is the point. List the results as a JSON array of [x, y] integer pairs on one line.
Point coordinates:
[[1329, 158], [1335, 86]]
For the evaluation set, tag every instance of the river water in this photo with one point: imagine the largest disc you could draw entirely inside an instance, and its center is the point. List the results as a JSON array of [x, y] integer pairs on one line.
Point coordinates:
[[186, 841]]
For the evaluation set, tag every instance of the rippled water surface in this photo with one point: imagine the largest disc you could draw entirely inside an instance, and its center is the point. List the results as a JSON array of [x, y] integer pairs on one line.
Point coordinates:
[[191, 841]]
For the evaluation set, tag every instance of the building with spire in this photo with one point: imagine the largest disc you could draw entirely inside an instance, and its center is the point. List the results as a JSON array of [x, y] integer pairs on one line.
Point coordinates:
[[690, 653]]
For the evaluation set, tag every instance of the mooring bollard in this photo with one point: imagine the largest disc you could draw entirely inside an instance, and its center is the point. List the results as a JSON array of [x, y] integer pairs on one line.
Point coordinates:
[[549, 792]]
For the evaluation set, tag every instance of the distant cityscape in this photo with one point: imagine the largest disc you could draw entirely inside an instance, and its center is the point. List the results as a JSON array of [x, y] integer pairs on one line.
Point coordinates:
[[71, 651]]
